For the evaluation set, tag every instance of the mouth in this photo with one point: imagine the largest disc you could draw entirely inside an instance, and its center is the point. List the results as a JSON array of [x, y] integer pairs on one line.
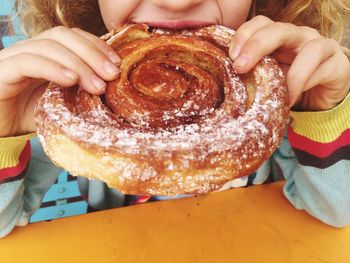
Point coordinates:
[[180, 24]]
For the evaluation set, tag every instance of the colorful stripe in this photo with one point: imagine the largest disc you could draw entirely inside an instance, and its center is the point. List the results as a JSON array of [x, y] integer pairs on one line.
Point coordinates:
[[11, 173], [321, 139], [318, 154], [318, 149], [308, 159], [323, 126], [142, 199]]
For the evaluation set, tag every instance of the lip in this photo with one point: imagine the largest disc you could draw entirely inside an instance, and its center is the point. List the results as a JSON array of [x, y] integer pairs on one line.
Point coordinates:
[[177, 24]]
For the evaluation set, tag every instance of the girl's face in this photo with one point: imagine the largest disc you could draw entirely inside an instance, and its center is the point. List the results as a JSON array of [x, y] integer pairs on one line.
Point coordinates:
[[175, 13]]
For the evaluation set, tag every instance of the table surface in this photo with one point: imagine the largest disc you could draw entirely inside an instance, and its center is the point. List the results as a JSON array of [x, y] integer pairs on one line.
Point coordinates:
[[255, 224]]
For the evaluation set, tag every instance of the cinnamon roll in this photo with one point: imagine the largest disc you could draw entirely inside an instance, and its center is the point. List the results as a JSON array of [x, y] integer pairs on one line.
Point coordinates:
[[177, 120]]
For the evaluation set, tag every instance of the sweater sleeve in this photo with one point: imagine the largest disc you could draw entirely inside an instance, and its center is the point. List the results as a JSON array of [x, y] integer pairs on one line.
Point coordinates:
[[318, 177], [14, 158]]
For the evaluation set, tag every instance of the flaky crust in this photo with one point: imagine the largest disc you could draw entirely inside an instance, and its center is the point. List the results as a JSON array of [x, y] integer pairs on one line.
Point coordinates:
[[177, 120]]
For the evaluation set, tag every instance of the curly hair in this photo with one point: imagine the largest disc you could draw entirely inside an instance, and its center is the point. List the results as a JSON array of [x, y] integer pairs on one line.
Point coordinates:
[[327, 16], [39, 15]]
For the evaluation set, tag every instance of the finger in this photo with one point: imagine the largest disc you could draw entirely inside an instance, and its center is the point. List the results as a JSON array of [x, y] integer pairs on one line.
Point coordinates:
[[83, 48], [332, 72], [53, 50], [19, 68], [309, 58], [107, 50], [245, 31], [327, 87], [99, 43], [282, 36]]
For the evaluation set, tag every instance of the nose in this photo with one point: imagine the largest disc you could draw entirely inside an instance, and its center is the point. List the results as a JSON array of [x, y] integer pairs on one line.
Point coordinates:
[[176, 5]]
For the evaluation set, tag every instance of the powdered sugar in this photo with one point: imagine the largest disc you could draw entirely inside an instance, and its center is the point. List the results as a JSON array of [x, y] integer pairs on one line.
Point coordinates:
[[232, 133]]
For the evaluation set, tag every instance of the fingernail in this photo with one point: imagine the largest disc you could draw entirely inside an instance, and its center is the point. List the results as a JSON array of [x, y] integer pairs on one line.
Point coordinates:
[[113, 57], [98, 83], [235, 52], [241, 61], [70, 74], [110, 68]]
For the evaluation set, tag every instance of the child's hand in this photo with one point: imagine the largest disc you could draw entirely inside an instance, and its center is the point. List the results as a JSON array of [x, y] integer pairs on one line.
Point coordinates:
[[61, 55], [318, 72]]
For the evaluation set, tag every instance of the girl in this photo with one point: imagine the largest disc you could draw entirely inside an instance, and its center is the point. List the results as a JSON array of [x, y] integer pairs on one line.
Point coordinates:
[[306, 40]]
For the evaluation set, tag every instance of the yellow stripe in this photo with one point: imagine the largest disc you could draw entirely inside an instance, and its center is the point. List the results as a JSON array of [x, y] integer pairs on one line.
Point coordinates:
[[323, 126], [11, 148]]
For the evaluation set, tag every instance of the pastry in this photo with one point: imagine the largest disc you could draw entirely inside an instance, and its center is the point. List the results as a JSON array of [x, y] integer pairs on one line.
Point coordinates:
[[177, 120]]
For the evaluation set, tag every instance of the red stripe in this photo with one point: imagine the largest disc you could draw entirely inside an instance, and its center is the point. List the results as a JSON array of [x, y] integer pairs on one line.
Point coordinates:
[[318, 149], [10, 172], [142, 199]]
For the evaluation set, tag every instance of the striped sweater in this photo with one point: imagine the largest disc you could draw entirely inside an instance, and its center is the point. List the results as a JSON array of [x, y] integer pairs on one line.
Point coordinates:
[[313, 159]]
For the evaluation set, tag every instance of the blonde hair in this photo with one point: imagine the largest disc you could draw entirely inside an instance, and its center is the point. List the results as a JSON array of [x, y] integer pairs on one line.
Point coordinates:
[[327, 16], [39, 15]]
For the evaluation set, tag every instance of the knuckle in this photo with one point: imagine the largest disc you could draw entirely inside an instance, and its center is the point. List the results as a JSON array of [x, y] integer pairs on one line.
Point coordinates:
[[312, 32], [245, 31], [262, 19], [96, 54], [59, 30], [101, 44], [23, 59], [254, 43], [76, 29], [317, 44], [46, 42], [282, 26], [81, 68], [333, 43], [241, 36], [91, 49], [24, 56], [284, 31], [322, 44]]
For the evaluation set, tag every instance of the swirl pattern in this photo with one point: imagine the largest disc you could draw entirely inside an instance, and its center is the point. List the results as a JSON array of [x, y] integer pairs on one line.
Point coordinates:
[[177, 120]]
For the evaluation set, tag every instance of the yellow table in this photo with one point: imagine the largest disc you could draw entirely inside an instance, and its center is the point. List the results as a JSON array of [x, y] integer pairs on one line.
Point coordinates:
[[255, 224]]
